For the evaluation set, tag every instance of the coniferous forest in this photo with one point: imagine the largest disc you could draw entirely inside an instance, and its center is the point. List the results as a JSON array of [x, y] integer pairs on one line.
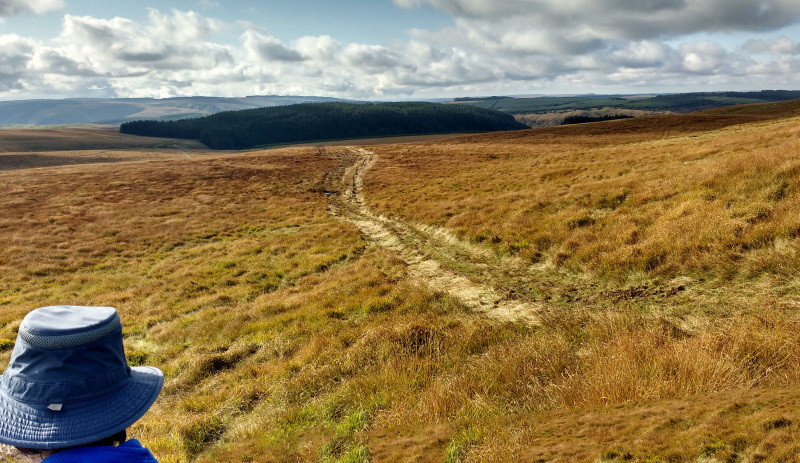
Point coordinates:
[[582, 119], [325, 121]]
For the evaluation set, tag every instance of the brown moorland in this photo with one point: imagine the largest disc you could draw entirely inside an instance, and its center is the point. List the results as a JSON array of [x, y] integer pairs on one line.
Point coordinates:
[[663, 249], [48, 147]]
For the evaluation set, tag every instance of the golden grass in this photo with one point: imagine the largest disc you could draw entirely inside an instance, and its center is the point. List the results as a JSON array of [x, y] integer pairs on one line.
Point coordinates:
[[612, 201], [285, 336], [758, 425]]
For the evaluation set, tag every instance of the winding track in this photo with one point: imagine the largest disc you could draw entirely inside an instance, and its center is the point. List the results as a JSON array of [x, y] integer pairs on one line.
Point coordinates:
[[434, 256]]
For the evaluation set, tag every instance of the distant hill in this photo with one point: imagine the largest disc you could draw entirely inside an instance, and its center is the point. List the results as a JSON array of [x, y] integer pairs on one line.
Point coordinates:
[[117, 111], [325, 121], [677, 103]]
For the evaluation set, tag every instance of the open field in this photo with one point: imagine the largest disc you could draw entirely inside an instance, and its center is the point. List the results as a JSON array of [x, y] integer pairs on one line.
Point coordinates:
[[622, 291]]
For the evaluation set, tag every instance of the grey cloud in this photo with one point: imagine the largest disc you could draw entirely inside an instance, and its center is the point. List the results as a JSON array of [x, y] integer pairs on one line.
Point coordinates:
[[614, 19], [145, 56], [426, 66], [549, 40], [273, 51], [269, 48], [15, 54], [49, 61], [16, 7], [433, 79], [650, 6], [10, 83], [371, 57], [780, 46], [475, 9], [98, 32], [167, 57]]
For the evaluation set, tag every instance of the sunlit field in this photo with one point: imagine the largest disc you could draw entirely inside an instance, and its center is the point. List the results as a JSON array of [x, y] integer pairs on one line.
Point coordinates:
[[663, 252]]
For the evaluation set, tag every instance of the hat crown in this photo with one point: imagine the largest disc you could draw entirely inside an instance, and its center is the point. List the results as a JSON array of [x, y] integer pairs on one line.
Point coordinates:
[[66, 354], [64, 327], [68, 383]]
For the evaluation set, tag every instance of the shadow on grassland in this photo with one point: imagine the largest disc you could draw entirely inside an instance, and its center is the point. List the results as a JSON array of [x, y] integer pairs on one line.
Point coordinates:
[[31, 161]]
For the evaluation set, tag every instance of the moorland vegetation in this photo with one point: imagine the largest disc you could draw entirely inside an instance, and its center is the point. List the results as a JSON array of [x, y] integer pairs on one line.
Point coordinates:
[[324, 121], [661, 253], [553, 111], [675, 103]]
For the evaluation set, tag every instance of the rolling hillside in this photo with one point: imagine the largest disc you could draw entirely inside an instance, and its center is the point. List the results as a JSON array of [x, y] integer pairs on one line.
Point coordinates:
[[617, 291], [676, 103], [553, 111], [117, 111]]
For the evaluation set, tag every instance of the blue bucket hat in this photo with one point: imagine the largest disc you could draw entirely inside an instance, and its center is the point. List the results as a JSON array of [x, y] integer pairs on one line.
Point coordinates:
[[68, 382]]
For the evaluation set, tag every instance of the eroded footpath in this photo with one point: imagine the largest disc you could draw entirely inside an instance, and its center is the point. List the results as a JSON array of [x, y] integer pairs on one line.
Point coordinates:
[[434, 256]]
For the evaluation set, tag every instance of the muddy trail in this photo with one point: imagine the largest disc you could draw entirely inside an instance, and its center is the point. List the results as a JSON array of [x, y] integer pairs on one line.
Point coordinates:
[[435, 257]]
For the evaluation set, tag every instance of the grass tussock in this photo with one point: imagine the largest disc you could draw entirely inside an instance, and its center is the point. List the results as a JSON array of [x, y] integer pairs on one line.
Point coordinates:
[[285, 336]]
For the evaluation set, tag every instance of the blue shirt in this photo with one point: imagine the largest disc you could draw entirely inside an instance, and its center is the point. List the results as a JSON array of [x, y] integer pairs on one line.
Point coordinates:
[[129, 451]]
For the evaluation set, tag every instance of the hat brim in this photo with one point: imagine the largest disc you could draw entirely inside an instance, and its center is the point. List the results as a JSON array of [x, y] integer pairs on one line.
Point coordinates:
[[37, 427]]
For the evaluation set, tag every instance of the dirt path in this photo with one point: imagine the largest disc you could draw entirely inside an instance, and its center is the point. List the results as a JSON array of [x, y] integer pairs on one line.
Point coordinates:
[[434, 256]]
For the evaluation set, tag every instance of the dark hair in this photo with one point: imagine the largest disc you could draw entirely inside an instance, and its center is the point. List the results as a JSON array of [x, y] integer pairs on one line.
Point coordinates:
[[116, 439]]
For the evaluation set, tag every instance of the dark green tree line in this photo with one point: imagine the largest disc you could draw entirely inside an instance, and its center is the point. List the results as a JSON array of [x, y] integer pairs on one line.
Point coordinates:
[[325, 121]]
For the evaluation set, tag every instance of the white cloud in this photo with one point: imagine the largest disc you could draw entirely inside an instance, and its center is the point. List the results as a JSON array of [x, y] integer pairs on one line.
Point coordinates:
[[181, 26], [704, 57], [15, 7], [120, 47], [322, 48], [643, 54], [583, 42], [491, 47]]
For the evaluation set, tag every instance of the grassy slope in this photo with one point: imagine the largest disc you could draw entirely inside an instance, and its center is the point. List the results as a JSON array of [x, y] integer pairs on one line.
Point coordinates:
[[678, 234], [551, 111], [611, 199], [286, 337]]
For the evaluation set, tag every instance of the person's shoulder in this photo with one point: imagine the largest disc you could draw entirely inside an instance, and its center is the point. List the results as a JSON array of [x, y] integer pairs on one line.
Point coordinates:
[[131, 451]]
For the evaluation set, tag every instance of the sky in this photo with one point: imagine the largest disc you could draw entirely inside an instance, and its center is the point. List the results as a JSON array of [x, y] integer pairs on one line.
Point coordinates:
[[394, 49]]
